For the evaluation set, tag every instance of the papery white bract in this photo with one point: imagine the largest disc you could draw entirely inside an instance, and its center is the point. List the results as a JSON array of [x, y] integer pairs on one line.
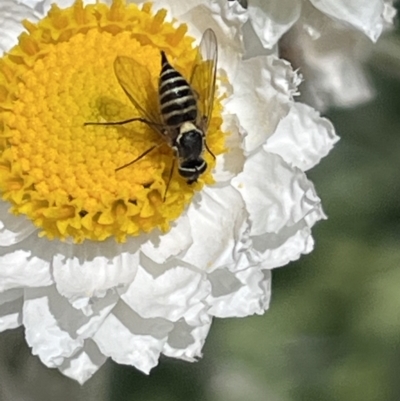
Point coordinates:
[[327, 40], [157, 293]]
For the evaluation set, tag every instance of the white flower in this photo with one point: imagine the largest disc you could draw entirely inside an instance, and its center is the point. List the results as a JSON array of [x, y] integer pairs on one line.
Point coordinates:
[[158, 293], [327, 40]]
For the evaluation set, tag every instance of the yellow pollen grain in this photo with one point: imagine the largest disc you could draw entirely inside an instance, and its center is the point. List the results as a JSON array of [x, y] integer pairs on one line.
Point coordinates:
[[60, 173]]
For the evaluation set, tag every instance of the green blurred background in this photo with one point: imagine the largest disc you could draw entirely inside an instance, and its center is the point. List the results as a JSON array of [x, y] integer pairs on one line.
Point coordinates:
[[333, 329]]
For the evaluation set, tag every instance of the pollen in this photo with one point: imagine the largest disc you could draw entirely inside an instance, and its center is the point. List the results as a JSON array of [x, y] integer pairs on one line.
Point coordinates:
[[64, 175]]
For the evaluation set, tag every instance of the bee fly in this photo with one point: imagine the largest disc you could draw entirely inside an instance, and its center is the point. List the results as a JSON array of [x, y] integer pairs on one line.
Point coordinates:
[[185, 107], [178, 105]]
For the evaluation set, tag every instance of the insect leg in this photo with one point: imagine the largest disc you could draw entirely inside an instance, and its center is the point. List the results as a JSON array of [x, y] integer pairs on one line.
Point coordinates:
[[140, 157], [142, 120], [203, 124], [208, 150], [169, 179]]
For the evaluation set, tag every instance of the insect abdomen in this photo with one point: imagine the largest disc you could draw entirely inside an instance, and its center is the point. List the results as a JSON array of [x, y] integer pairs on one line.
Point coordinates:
[[177, 102]]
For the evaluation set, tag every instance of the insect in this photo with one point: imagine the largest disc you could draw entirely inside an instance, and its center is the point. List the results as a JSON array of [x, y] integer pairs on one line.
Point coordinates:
[[184, 106]]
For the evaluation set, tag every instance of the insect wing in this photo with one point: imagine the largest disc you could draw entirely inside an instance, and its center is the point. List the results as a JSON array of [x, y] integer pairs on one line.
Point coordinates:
[[204, 74], [136, 82]]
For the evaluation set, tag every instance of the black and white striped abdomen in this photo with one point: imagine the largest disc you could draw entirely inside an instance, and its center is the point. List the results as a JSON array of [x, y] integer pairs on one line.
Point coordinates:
[[177, 102]]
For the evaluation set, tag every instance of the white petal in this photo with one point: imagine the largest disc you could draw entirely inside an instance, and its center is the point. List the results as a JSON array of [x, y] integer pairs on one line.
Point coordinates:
[[175, 8], [218, 224], [11, 309], [91, 269], [263, 90], [252, 43], [276, 250], [29, 3], [230, 11], [223, 282], [248, 297], [13, 229], [248, 257], [365, 15], [160, 248], [389, 14], [11, 16], [224, 19], [271, 19], [303, 137], [332, 63], [276, 195], [129, 339], [339, 80], [83, 324], [57, 332], [185, 341], [171, 295], [25, 265], [230, 163], [84, 363], [43, 328]]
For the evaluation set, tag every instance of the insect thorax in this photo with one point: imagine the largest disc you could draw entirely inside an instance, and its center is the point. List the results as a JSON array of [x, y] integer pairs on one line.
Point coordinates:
[[189, 142]]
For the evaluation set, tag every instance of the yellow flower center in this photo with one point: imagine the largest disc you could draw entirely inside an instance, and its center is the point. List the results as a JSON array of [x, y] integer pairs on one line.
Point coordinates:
[[61, 174]]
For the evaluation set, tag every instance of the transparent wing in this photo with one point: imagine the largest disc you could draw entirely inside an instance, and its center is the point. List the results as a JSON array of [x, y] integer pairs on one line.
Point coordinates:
[[136, 82], [204, 73]]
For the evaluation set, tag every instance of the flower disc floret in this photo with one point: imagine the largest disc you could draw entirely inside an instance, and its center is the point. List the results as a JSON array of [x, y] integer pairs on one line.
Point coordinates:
[[62, 174]]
